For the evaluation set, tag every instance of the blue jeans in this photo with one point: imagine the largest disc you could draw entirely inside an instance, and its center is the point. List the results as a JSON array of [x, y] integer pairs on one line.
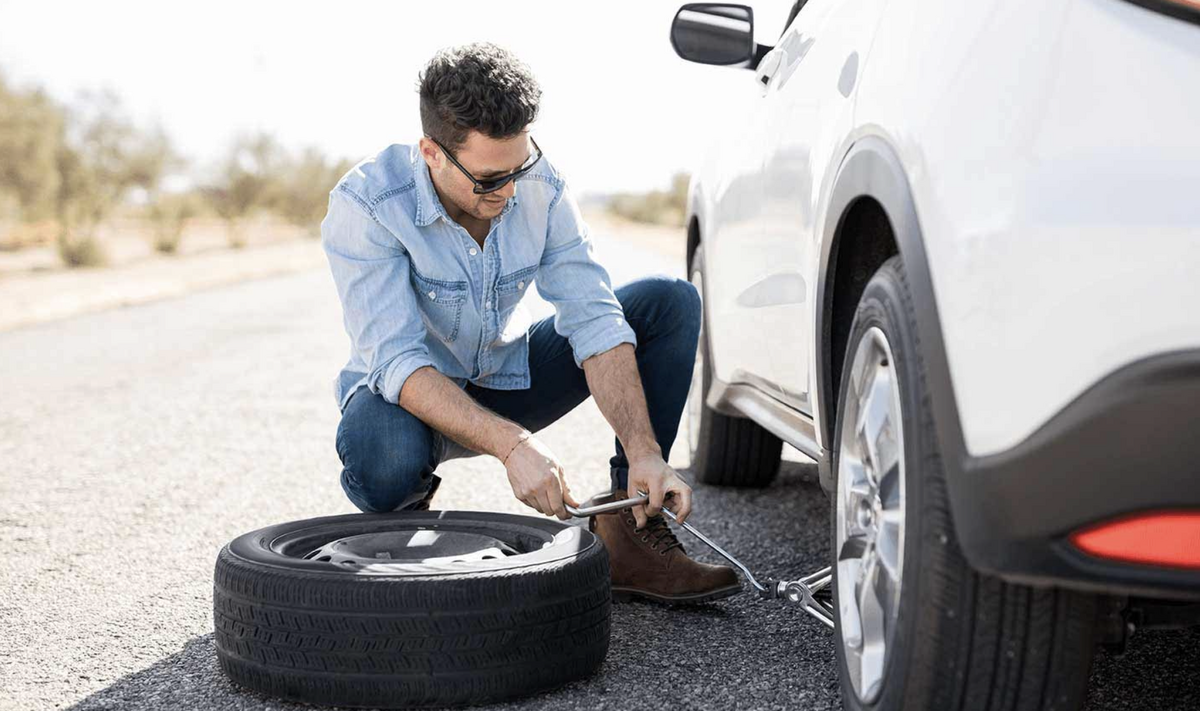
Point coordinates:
[[389, 455]]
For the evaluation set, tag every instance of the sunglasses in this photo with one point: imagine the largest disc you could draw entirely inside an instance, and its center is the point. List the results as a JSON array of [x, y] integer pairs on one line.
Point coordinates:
[[491, 185]]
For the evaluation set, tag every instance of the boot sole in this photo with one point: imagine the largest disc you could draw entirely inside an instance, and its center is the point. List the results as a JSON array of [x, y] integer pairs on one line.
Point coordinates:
[[632, 594]]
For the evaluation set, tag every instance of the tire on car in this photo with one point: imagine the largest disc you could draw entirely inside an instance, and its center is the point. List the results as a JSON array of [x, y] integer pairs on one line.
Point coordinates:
[[411, 609], [946, 637], [725, 450]]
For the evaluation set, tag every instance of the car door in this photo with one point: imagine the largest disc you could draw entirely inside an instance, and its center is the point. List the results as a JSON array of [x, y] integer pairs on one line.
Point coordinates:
[[732, 238], [808, 109]]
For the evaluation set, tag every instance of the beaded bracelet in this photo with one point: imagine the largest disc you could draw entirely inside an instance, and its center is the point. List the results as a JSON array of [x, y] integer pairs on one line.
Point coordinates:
[[524, 436]]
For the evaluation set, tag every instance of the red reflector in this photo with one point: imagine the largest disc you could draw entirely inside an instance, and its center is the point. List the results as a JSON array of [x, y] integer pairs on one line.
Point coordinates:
[[1166, 538]]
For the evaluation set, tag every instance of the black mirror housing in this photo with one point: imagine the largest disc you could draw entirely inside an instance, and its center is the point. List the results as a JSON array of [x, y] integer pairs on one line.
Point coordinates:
[[715, 33]]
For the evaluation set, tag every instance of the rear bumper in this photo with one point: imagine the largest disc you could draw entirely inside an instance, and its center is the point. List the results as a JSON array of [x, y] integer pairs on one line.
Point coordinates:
[[1129, 444]]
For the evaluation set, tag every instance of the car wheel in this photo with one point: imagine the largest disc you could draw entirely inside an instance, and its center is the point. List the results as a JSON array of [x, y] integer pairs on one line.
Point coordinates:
[[411, 609], [917, 628], [726, 451]]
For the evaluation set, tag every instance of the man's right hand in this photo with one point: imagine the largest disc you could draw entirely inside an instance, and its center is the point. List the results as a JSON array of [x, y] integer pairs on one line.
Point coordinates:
[[538, 480]]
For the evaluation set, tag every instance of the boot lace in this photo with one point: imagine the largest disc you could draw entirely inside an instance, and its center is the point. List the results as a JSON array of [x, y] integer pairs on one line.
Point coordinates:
[[659, 532]]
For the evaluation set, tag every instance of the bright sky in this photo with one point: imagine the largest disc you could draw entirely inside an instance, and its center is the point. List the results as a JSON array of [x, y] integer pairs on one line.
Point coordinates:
[[620, 110]]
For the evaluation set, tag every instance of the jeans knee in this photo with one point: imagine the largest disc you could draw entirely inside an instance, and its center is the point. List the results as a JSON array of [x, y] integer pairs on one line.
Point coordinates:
[[380, 471], [380, 487], [688, 297], [680, 303], [666, 299]]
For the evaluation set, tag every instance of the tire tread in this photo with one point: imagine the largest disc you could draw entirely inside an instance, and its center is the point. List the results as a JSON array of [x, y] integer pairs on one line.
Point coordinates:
[[404, 642], [979, 643]]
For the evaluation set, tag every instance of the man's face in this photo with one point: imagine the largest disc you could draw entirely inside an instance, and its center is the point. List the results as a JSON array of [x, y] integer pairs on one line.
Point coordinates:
[[485, 158]]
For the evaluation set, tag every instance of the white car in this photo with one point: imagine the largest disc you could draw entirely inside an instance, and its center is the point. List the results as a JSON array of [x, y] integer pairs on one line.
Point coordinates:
[[952, 253]]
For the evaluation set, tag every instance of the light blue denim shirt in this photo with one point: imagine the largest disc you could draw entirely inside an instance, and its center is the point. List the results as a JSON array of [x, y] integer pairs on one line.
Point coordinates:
[[417, 290]]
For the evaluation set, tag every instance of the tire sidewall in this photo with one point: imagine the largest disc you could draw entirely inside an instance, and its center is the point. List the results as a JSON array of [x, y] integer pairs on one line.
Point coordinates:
[[446, 638], [883, 305]]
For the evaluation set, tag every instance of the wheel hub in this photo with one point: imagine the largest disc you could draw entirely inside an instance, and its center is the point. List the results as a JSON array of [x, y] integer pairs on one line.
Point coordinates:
[[412, 546]]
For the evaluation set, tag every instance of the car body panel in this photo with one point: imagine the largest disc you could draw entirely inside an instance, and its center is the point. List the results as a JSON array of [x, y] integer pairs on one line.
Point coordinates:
[[1040, 169], [1056, 173]]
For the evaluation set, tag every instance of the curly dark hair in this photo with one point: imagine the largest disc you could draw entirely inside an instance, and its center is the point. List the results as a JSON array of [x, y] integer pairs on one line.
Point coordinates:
[[476, 86]]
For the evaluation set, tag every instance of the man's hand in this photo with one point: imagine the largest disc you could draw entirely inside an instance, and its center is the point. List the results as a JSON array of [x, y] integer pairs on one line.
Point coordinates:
[[649, 473], [538, 480]]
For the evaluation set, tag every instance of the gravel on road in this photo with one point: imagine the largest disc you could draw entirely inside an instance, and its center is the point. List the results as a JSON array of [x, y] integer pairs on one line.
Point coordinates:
[[139, 441]]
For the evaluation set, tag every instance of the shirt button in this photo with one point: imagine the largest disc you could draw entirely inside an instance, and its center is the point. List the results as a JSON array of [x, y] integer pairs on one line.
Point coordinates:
[[474, 251], [488, 303], [520, 285], [433, 295]]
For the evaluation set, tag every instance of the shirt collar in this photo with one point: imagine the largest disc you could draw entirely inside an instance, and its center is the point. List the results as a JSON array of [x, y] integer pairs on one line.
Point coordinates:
[[429, 207]]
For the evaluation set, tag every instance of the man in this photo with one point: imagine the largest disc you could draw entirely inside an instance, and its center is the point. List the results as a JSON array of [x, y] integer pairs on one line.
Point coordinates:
[[432, 246]]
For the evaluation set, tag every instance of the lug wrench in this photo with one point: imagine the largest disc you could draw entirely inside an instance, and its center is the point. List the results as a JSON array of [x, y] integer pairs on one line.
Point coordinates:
[[805, 592]]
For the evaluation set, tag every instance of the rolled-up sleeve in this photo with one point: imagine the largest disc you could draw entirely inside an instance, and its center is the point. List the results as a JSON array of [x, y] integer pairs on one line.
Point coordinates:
[[379, 309], [586, 311]]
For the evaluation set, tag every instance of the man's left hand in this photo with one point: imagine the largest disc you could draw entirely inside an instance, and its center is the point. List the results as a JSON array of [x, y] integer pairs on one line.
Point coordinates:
[[651, 474]]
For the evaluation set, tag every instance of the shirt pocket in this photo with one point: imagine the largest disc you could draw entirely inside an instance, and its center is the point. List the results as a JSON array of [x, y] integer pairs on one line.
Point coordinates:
[[511, 287], [441, 302]]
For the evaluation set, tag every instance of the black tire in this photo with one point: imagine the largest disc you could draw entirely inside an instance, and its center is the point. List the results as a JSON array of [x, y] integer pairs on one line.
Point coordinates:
[[962, 640], [730, 451], [398, 634]]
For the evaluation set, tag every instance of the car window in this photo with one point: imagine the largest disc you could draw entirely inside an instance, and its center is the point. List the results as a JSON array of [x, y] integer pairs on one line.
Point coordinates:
[[792, 15]]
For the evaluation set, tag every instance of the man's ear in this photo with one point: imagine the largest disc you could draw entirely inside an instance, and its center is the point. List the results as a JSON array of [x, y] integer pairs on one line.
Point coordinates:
[[431, 154]]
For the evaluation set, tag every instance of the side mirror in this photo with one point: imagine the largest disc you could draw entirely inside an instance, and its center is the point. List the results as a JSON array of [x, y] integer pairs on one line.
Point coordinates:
[[715, 33]]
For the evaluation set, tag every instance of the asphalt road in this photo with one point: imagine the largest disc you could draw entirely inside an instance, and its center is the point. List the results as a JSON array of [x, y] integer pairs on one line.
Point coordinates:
[[136, 442]]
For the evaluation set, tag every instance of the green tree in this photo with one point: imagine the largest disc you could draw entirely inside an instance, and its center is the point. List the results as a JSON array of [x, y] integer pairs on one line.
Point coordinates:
[[104, 156], [31, 131], [153, 160], [303, 195], [247, 181], [663, 207], [169, 213]]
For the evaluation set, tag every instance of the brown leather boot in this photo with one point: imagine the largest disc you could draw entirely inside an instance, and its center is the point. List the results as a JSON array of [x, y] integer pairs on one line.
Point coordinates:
[[650, 563]]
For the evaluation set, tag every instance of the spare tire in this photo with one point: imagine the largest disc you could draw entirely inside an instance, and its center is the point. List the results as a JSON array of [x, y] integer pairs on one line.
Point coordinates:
[[411, 609]]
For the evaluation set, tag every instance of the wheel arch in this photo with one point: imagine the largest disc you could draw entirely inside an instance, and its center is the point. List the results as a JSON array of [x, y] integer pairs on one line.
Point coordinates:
[[871, 215], [693, 238]]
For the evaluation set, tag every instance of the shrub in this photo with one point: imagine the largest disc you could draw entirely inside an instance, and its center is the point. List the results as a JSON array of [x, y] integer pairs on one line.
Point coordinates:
[[247, 181], [85, 251], [169, 215], [303, 195], [661, 207]]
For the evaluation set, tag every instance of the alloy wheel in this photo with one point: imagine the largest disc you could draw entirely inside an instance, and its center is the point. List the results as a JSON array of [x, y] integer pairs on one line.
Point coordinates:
[[870, 513]]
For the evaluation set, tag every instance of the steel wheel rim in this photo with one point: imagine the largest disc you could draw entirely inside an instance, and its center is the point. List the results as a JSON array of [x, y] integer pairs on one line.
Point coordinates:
[[870, 513], [695, 396]]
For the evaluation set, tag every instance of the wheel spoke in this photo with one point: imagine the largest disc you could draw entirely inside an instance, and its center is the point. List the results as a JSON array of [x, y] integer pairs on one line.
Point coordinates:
[[854, 548], [873, 420], [871, 611], [851, 623], [889, 486], [887, 543]]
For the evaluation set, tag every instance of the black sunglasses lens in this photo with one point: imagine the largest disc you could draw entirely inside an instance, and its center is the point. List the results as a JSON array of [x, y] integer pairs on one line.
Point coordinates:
[[491, 186]]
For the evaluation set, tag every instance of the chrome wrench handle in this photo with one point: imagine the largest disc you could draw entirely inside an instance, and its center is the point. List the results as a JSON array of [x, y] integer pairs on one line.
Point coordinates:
[[585, 511], [799, 592], [642, 498]]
